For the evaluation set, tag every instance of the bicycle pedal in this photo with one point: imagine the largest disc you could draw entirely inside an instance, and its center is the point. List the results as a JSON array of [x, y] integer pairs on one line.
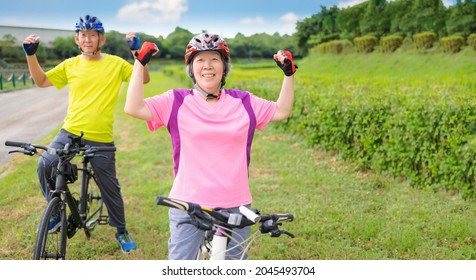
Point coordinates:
[[103, 220]]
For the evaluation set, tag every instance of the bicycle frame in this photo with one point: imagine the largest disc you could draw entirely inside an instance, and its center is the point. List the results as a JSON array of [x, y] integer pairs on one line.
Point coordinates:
[[82, 217]]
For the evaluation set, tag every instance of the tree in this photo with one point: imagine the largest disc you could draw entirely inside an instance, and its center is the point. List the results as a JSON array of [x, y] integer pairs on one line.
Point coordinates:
[[374, 20], [176, 43], [306, 28], [426, 15], [65, 47], [397, 11], [462, 18], [347, 21]]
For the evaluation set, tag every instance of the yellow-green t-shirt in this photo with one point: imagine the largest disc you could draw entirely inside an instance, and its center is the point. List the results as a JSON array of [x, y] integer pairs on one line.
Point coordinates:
[[94, 87]]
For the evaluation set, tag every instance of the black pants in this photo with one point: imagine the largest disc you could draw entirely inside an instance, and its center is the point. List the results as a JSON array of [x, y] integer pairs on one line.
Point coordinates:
[[104, 168]]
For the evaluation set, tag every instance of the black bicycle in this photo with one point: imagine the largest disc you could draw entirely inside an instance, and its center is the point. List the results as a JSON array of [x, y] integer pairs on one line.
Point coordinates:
[[73, 210]]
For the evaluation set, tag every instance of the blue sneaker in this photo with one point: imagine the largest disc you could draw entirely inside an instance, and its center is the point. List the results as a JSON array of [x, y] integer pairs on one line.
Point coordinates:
[[53, 226], [126, 242]]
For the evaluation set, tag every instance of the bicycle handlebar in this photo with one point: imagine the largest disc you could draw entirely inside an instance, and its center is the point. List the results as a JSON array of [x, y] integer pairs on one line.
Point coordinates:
[[204, 218], [75, 147]]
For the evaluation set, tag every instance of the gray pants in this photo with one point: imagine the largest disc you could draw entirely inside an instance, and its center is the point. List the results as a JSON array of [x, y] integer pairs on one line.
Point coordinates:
[[185, 239], [104, 168]]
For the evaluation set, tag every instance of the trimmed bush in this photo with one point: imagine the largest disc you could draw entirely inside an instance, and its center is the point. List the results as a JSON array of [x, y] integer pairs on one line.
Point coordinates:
[[452, 44], [389, 44], [334, 47], [472, 40], [424, 40], [365, 44]]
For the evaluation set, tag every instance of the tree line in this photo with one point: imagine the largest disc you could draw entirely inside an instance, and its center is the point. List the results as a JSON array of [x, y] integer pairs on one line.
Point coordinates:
[[382, 18], [171, 47], [377, 18]]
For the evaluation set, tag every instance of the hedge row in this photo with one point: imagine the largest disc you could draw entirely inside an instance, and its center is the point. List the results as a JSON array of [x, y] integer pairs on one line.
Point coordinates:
[[423, 133], [388, 44]]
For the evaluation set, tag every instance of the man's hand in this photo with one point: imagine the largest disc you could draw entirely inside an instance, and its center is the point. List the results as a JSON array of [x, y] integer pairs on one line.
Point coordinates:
[[284, 59], [30, 44], [133, 41]]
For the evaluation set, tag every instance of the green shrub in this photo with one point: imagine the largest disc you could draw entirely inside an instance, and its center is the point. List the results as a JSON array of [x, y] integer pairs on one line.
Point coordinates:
[[452, 44], [420, 135], [365, 44], [424, 40], [472, 40], [389, 44], [334, 47]]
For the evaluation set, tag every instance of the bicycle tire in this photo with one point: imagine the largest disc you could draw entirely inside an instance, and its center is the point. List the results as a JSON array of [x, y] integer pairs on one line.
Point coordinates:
[[51, 245], [94, 205]]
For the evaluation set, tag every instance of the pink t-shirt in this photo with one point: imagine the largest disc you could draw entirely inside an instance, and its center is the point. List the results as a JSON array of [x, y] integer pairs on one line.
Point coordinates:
[[211, 144]]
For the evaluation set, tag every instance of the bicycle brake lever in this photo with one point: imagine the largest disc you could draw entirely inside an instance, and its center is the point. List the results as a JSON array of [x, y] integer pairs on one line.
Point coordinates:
[[25, 152], [287, 233]]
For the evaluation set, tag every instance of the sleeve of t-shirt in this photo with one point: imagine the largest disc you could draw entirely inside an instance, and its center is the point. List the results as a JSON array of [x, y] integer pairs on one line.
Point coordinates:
[[160, 106], [57, 75], [264, 111]]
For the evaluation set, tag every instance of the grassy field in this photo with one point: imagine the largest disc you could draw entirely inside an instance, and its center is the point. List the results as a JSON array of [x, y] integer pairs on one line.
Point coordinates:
[[341, 213]]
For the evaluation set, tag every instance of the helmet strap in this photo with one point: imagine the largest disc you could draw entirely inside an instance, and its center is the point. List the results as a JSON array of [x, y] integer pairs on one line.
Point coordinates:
[[207, 95]]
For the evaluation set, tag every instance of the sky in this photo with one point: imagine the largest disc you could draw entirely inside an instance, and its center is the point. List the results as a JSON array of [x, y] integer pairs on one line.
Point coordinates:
[[161, 17]]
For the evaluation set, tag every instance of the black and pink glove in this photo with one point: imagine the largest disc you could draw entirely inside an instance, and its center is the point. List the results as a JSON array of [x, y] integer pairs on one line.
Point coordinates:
[[146, 52], [288, 66]]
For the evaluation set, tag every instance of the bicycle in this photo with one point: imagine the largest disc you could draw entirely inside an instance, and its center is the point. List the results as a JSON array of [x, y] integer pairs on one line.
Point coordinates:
[[218, 224], [85, 211]]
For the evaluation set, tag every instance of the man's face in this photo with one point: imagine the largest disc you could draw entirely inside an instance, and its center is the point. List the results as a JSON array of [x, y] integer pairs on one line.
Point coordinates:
[[89, 41]]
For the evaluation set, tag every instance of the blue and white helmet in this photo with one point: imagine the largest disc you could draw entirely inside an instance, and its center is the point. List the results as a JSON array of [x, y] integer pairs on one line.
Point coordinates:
[[89, 23]]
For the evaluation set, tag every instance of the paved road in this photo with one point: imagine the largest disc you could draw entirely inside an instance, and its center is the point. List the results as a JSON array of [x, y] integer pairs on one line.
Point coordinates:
[[29, 115]]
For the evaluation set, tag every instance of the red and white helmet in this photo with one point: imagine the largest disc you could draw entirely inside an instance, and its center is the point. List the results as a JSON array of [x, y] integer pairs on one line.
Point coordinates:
[[206, 42]]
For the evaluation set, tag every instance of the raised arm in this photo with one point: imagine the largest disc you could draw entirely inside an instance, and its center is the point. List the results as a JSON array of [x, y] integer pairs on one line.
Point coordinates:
[[133, 41], [135, 105], [30, 46], [286, 96]]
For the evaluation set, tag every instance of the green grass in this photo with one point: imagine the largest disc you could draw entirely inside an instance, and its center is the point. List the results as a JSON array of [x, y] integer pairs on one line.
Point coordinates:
[[401, 67], [340, 213]]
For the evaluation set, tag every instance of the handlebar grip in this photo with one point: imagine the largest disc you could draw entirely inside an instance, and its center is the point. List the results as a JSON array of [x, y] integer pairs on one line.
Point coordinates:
[[252, 216], [284, 217], [106, 149], [173, 203], [101, 149], [15, 144]]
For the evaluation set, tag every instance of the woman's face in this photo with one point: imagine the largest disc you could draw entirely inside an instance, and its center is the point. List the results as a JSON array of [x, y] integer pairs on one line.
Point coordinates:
[[208, 70]]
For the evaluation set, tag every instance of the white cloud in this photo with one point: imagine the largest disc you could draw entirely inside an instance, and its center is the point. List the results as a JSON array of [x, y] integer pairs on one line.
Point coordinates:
[[350, 3], [253, 21], [288, 22], [152, 11]]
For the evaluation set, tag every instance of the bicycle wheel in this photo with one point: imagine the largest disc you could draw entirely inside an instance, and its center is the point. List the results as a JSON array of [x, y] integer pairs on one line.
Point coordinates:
[[52, 245], [94, 205]]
